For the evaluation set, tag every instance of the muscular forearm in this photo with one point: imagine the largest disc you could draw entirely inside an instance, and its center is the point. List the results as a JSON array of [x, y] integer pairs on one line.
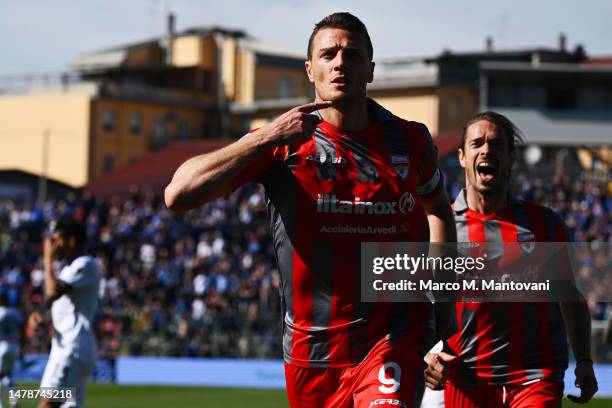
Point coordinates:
[[207, 177], [204, 178], [578, 325], [442, 229], [440, 218]]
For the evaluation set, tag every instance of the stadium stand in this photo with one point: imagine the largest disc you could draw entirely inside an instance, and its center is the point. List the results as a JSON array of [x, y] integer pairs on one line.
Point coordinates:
[[205, 284]]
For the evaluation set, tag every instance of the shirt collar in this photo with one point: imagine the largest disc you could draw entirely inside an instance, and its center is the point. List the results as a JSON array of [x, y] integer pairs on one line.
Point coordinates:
[[460, 204]]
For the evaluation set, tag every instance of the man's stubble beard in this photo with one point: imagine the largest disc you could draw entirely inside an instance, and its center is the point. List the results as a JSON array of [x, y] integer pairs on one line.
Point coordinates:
[[501, 188]]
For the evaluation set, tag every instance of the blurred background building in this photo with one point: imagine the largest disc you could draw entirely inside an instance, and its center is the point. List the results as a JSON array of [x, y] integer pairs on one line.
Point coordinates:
[[122, 103]]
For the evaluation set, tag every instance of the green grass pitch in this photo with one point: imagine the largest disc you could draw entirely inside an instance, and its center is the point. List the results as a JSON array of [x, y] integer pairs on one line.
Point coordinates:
[[125, 396]]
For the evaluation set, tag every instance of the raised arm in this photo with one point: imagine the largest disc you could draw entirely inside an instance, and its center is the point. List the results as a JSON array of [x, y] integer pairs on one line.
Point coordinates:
[[207, 177], [578, 325], [441, 229], [440, 217]]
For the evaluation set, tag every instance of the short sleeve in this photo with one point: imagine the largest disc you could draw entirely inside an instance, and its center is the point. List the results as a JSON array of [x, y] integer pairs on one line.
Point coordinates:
[[82, 272], [258, 167], [430, 178]]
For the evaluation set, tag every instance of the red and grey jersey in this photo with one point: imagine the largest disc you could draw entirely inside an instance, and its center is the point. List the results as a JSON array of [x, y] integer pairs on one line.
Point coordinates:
[[509, 343], [326, 196]]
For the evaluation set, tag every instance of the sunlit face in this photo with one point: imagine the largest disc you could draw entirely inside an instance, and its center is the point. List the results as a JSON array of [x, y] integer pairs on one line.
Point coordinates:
[[339, 65], [486, 159]]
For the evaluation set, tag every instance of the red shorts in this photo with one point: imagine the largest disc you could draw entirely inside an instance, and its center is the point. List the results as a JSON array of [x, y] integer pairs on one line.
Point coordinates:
[[390, 376], [540, 394]]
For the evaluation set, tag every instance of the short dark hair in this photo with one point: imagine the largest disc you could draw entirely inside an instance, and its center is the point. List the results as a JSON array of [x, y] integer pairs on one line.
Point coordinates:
[[345, 21], [513, 134], [68, 227]]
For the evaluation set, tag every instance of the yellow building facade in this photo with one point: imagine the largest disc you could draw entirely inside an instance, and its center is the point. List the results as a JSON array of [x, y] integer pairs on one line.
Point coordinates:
[[134, 99]]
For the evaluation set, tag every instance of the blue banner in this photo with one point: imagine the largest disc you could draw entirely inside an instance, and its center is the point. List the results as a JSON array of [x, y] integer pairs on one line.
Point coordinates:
[[222, 372]]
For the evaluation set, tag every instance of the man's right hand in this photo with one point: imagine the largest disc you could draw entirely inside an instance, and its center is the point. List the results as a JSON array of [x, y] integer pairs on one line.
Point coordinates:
[[437, 369], [49, 249], [294, 125]]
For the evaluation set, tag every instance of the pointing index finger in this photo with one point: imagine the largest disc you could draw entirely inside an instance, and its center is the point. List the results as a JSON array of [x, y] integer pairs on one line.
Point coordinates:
[[311, 107]]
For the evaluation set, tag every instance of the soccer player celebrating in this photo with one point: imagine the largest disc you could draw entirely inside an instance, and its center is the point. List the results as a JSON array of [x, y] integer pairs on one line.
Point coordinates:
[[73, 296], [509, 354], [337, 172]]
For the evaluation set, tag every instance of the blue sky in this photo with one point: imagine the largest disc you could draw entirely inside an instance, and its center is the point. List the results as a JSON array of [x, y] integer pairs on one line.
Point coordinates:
[[40, 35]]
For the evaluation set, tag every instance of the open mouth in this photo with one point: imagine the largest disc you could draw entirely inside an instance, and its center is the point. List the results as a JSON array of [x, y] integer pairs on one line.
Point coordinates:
[[340, 81], [487, 171]]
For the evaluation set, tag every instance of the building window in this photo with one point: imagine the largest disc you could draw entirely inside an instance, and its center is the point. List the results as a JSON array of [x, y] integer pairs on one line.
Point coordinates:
[[246, 125], [207, 131], [455, 111], [283, 87], [184, 131], [207, 81], [502, 96], [109, 163], [592, 99], [531, 96], [109, 120], [135, 123], [561, 98], [159, 132]]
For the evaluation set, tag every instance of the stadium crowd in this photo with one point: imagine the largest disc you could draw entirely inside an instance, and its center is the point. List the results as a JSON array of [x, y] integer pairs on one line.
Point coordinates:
[[206, 284]]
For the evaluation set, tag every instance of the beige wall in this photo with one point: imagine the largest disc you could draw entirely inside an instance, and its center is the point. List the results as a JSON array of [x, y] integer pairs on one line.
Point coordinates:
[[267, 78], [23, 121], [186, 51], [228, 66], [245, 77], [259, 122], [457, 105], [420, 105]]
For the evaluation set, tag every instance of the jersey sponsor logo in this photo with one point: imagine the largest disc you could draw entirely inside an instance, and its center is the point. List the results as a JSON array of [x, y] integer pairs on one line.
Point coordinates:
[[388, 401], [406, 203], [399, 159], [402, 171], [359, 229], [323, 158], [329, 204], [525, 236]]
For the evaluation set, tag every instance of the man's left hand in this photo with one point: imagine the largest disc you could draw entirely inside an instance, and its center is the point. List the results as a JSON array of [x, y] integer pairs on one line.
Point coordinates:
[[586, 381], [437, 370], [49, 248]]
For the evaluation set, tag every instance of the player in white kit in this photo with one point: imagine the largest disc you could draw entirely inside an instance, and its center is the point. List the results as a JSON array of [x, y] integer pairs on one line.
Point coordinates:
[[11, 326], [73, 296]]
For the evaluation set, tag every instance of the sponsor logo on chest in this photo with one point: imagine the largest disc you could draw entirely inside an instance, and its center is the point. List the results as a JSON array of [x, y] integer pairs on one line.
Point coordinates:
[[325, 158], [329, 204]]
